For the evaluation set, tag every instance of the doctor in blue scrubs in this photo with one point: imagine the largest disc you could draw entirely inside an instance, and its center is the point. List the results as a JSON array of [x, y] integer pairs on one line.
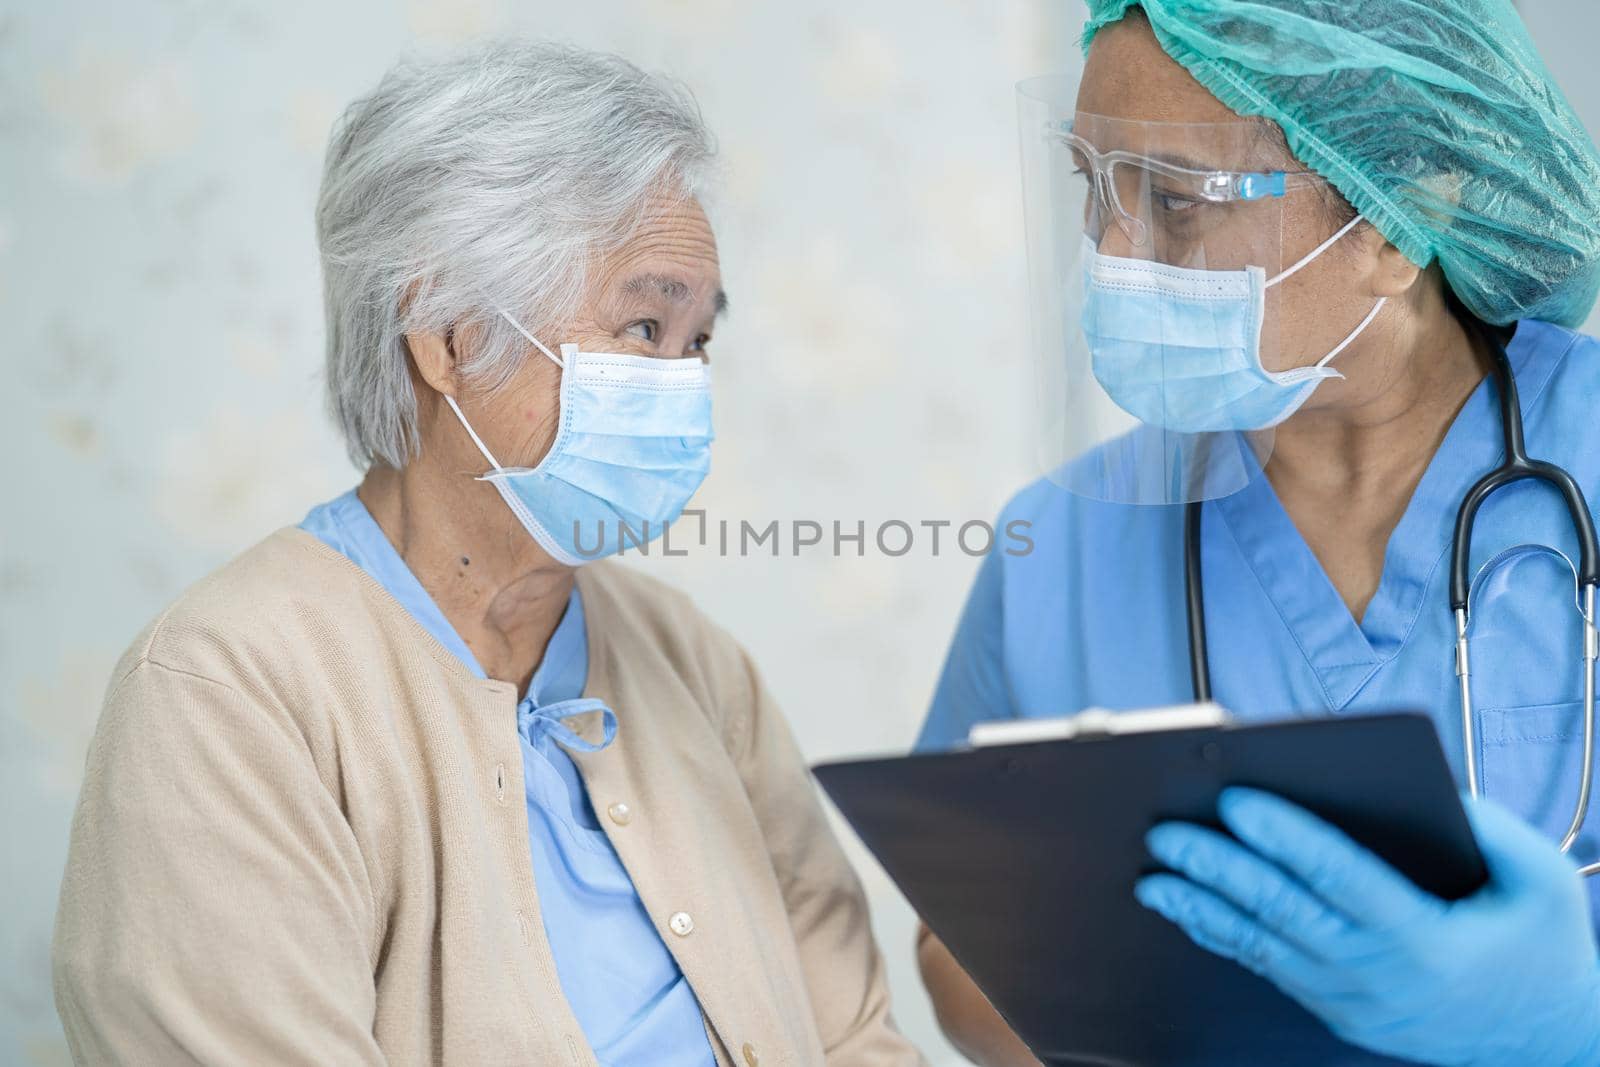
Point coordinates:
[[1279, 251]]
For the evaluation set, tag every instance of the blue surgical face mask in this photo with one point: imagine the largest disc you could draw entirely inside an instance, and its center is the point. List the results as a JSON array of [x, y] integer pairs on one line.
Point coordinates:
[[633, 445], [1180, 348]]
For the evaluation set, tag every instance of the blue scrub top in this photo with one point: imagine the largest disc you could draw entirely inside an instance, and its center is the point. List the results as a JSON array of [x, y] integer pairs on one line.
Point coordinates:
[[1094, 615], [629, 996]]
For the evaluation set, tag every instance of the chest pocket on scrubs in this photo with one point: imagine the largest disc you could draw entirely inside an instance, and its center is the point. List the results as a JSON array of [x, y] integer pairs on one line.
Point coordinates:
[[1528, 686]]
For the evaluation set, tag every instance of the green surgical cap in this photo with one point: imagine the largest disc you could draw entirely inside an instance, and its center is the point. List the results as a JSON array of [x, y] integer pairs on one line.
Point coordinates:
[[1435, 118]]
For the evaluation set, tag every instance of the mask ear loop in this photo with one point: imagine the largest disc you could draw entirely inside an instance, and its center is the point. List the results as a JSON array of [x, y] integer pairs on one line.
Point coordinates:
[[1357, 332], [515, 325], [1307, 259], [1315, 252], [494, 463]]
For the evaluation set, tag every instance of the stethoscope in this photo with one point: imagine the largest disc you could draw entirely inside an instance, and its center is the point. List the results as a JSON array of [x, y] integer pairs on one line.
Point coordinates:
[[1516, 467]]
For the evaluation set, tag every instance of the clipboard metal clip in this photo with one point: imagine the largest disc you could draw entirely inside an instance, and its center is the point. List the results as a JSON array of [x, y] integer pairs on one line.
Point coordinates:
[[1096, 723]]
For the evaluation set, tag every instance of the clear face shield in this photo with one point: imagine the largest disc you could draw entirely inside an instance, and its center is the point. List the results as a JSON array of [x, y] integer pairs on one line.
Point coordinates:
[[1153, 252]]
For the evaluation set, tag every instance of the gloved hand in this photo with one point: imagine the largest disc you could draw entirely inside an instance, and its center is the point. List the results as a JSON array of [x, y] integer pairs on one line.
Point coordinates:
[[1508, 977]]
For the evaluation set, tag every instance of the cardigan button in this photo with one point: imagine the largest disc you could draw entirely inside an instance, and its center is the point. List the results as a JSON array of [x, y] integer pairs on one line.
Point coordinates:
[[681, 923], [750, 1056], [620, 813]]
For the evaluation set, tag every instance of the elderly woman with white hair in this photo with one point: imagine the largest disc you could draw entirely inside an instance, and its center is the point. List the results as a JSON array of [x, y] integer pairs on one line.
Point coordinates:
[[405, 784]]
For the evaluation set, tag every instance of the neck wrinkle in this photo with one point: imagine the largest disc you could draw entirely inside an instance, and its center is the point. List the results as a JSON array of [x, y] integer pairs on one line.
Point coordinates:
[[507, 598]]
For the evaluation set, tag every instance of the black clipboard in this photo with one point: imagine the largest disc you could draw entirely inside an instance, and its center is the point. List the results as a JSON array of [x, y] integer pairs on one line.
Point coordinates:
[[1022, 859]]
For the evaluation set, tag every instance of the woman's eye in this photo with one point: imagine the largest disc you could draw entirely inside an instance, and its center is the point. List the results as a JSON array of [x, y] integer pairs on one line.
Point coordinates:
[[700, 343], [644, 330], [1175, 204]]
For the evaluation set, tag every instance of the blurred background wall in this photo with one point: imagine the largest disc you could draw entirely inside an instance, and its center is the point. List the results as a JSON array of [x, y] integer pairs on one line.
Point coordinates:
[[159, 291]]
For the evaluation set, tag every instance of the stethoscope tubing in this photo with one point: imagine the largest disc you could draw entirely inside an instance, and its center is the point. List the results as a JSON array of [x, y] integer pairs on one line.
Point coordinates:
[[1515, 467]]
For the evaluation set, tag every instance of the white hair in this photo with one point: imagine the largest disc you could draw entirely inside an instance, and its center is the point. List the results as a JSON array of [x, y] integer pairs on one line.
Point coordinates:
[[488, 180]]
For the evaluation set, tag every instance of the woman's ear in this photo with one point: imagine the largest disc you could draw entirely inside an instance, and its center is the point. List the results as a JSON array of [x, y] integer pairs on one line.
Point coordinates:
[[1392, 274], [434, 356]]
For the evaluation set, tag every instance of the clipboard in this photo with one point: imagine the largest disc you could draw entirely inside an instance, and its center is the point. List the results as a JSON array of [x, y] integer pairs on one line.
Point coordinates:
[[1022, 859]]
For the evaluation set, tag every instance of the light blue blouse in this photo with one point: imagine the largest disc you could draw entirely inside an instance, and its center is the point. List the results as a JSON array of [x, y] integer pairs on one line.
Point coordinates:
[[1094, 617], [630, 997]]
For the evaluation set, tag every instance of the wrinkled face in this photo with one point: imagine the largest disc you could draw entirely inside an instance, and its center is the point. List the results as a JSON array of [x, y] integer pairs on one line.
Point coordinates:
[[659, 295], [1136, 103]]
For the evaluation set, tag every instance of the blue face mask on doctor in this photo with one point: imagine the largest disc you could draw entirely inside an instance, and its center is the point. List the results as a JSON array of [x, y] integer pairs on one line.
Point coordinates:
[[633, 445], [1180, 349]]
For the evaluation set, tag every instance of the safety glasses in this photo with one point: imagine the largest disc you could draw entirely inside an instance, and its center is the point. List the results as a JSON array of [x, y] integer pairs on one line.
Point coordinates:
[[1140, 191]]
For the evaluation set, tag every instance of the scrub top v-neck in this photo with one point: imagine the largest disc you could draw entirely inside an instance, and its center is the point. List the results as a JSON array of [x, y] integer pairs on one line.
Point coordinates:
[[630, 997], [1093, 616]]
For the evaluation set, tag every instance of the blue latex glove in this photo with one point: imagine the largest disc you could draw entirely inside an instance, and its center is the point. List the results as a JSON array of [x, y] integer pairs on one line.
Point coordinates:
[[1508, 976]]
